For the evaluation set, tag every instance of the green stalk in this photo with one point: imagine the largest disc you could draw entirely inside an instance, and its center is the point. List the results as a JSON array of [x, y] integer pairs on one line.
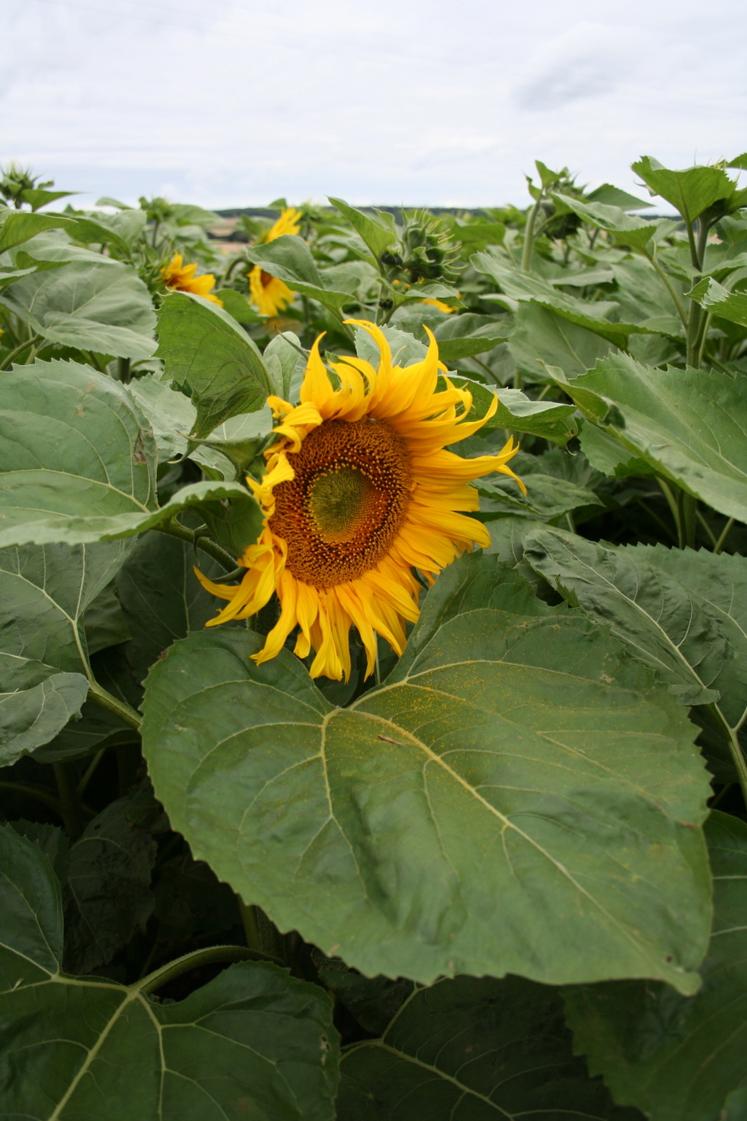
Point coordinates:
[[8, 362], [674, 507], [260, 934], [107, 700], [688, 508], [735, 748], [69, 805], [526, 253], [34, 792], [176, 529], [123, 370], [212, 954], [651, 258], [721, 540], [697, 323]]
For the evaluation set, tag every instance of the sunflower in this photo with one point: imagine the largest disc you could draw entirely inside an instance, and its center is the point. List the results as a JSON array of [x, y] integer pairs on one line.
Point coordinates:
[[359, 493], [270, 294], [182, 278]]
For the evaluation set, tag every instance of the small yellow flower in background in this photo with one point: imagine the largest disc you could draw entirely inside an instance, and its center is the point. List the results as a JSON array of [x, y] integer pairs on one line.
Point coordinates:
[[271, 295], [359, 491], [181, 278], [438, 304]]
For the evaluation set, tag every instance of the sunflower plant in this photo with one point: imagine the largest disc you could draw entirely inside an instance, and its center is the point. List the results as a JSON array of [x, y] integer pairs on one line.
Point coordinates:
[[373, 629]]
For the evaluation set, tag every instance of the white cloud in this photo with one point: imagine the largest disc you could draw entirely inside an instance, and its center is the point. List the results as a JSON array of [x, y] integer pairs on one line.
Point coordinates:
[[418, 102]]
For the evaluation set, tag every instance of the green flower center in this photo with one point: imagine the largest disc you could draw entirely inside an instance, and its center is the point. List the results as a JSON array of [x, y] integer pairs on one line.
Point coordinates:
[[338, 501]]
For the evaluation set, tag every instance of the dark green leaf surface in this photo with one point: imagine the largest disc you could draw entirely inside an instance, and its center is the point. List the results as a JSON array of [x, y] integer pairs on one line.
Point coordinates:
[[518, 766], [161, 597], [210, 358], [107, 882], [44, 593], [101, 307], [253, 1042], [77, 464], [689, 425], [681, 1060], [474, 1050], [682, 611], [72, 447], [36, 702]]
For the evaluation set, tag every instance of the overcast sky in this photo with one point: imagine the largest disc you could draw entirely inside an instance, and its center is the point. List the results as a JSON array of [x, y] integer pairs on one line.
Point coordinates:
[[233, 103]]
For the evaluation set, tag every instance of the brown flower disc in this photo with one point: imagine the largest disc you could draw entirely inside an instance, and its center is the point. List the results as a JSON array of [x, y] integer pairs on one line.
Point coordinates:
[[341, 512]]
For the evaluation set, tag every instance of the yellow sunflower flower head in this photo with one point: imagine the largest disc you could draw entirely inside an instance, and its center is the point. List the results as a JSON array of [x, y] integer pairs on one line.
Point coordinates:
[[270, 295], [182, 278], [359, 492]]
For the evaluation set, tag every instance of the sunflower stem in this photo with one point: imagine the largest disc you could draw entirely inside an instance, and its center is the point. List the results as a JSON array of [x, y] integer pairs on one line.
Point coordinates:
[[68, 799], [209, 956], [721, 539], [260, 934], [176, 529], [108, 701]]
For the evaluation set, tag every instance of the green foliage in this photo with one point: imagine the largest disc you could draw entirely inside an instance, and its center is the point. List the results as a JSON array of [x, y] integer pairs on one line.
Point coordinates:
[[444, 800], [251, 1038], [477, 1049], [690, 429], [208, 356], [692, 1059], [532, 821]]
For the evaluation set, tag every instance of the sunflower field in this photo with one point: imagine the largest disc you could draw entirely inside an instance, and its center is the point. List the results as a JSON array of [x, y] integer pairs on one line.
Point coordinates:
[[374, 646]]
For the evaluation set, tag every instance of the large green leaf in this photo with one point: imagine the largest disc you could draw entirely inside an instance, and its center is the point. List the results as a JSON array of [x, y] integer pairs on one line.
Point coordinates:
[[548, 496], [476, 1050], [107, 880], [170, 414], [690, 425], [683, 612], [690, 191], [36, 702], [211, 359], [542, 338], [518, 766], [161, 597], [101, 307], [377, 228], [71, 445], [253, 1042], [289, 258], [636, 232], [44, 594], [680, 1060], [18, 226], [460, 336], [77, 464], [598, 316]]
